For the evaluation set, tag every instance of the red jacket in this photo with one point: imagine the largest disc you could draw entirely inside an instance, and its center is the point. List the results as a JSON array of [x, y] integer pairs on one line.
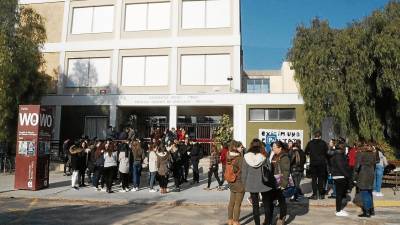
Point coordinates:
[[223, 155], [352, 156]]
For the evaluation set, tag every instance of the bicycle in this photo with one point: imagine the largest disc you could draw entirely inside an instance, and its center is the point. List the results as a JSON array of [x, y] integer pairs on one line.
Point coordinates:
[[6, 164]]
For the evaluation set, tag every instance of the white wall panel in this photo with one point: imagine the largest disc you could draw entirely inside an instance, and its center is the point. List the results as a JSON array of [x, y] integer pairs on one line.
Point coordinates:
[[99, 72], [192, 69], [218, 13], [136, 17], [78, 73], [156, 71], [103, 19], [159, 16], [193, 14], [218, 69], [133, 69], [82, 20]]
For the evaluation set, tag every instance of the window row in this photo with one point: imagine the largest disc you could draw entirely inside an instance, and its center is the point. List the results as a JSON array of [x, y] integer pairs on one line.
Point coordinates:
[[150, 71], [152, 16], [272, 114], [257, 86]]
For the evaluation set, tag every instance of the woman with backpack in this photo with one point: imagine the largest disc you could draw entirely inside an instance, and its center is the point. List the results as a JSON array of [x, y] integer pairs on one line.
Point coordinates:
[[123, 168], [251, 174], [213, 168], [234, 160], [341, 175], [281, 167], [163, 160]]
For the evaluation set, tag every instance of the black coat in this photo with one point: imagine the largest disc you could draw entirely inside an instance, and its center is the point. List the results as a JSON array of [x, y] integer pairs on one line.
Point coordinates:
[[338, 164], [196, 153], [318, 150], [76, 161]]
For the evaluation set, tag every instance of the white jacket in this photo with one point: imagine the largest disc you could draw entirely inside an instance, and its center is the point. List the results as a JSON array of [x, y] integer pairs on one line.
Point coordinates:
[[152, 161]]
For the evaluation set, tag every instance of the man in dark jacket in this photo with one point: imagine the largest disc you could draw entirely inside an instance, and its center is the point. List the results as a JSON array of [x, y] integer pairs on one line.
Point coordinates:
[[185, 149], [317, 149], [195, 155]]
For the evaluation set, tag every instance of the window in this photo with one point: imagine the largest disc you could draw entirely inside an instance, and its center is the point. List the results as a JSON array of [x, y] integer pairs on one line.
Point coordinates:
[[206, 14], [145, 71], [272, 114], [97, 19], [205, 69], [88, 72], [258, 86], [147, 16]]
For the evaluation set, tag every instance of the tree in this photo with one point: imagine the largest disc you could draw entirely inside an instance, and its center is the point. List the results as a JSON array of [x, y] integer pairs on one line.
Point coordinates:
[[224, 132], [22, 79], [352, 74]]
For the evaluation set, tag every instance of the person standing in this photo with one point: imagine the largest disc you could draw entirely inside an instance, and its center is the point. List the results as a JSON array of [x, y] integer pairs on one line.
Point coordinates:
[[281, 167], [110, 164], [251, 174], [67, 157], [363, 175], [123, 168], [98, 159], [83, 162], [152, 166], [138, 156], [223, 156], [185, 149], [163, 159], [317, 150], [176, 164], [297, 168], [235, 159], [379, 168], [195, 155], [340, 172], [75, 151], [213, 168]]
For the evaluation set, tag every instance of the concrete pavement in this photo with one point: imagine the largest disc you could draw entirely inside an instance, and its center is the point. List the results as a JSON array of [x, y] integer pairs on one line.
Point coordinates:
[[46, 212], [190, 195]]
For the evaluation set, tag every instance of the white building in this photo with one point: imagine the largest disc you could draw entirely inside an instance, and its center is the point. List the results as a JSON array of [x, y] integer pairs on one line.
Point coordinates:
[[174, 63]]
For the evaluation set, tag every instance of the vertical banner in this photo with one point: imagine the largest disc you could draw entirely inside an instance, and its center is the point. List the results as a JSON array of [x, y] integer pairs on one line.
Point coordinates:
[[33, 147]]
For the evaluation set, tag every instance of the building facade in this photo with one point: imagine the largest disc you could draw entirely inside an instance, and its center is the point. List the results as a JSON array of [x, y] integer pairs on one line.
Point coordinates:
[[157, 63]]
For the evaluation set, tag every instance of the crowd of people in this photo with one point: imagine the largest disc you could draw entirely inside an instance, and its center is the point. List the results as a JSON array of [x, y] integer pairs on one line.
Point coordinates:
[[270, 175]]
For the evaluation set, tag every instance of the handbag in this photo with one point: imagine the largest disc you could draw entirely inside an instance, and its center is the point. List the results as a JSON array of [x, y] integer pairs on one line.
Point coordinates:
[[279, 178]]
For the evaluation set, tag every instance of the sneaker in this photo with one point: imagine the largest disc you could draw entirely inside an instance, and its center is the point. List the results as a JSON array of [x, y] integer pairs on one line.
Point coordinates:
[[122, 190], [137, 189], [342, 213], [152, 190], [379, 194], [134, 189], [103, 189]]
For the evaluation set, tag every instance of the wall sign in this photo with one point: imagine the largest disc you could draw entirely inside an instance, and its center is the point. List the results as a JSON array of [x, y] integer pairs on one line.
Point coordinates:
[[281, 135]]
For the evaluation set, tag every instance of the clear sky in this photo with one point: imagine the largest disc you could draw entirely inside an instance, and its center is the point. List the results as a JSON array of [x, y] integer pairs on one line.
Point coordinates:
[[268, 26]]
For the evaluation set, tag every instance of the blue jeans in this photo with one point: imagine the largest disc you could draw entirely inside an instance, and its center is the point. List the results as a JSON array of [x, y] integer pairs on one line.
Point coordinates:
[[330, 184], [152, 179], [137, 170], [378, 178], [366, 198]]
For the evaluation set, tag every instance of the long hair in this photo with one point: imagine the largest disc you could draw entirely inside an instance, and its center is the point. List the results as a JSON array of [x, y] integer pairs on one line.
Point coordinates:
[[255, 146], [233, 145]]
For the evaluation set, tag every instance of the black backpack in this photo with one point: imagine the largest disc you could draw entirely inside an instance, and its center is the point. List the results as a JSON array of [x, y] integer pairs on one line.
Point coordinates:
[[268, 174]]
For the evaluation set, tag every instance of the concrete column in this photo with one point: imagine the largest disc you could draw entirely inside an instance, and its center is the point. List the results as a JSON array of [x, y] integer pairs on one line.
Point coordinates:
[[57, 123], [64, 34], [236, 85], [114, 72], [239, 123], [113, 115], [173, 115]]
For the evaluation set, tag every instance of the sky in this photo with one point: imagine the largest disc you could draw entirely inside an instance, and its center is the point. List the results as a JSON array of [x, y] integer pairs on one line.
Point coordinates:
[[268, 26]]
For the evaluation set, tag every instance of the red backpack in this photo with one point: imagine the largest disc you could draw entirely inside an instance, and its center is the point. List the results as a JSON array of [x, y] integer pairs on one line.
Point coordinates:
[[230, 174]]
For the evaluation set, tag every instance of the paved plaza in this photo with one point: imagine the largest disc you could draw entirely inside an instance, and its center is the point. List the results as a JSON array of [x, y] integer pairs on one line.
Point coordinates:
[[60, 204]]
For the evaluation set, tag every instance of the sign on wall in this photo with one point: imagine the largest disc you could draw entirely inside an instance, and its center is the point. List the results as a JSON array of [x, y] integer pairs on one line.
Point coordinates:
[[281, 135]]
